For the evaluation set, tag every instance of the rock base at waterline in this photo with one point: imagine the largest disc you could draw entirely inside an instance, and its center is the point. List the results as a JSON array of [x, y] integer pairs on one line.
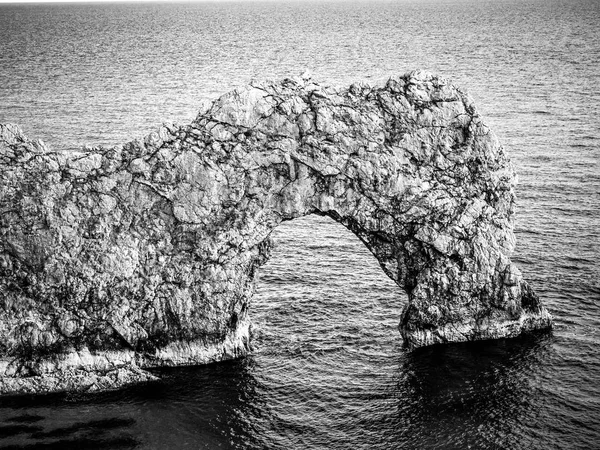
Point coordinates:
[[85, 371]]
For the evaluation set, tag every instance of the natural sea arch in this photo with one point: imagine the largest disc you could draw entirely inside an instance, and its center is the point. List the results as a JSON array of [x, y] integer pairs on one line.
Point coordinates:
[[146, 254]]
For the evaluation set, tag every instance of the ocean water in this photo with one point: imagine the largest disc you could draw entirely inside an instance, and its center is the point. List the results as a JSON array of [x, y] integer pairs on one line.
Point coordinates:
[[328, 370]]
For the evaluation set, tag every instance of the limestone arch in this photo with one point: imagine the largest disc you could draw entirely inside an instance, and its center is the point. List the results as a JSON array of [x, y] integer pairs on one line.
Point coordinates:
[[412, 171], [150, 249]]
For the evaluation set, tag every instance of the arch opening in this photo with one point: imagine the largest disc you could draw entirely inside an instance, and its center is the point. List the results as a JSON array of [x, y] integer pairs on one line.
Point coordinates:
[[321, 280]]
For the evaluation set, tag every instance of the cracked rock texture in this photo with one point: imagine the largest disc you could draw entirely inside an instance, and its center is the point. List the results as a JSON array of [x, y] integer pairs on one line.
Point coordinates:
[[146, 254]]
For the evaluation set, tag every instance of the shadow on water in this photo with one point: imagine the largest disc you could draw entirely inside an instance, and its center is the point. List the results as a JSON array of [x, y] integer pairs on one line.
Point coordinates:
[[59, 424], [94, 434], [473, 395], [192, 407], [217, 404], [479, 395]]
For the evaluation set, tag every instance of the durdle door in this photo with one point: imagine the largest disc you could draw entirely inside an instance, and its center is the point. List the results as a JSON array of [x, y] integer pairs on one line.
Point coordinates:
[[143, 255]]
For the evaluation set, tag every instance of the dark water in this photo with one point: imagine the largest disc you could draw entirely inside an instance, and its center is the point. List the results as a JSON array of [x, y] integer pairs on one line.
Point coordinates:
[[328, 370]]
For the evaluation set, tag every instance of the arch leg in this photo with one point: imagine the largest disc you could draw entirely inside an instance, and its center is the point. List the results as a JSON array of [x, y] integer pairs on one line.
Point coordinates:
[[452, 305]]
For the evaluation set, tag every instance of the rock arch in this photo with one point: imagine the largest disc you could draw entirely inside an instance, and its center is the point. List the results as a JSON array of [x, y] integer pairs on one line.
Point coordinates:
[[145, 254]]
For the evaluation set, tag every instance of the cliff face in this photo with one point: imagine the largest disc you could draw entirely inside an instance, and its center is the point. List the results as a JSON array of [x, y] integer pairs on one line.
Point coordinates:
[[145, 254]]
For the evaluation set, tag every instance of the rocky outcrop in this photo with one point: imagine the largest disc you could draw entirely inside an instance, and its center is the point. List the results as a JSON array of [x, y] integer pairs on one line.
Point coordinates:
[[145, 254]]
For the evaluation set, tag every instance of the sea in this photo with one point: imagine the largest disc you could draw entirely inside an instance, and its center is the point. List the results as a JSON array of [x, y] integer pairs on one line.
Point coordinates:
[[328, 369]]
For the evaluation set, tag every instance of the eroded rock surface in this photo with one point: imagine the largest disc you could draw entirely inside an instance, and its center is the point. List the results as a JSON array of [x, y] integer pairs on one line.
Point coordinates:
[[145, 254]]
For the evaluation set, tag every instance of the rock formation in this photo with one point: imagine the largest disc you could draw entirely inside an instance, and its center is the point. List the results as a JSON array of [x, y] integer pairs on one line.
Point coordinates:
[[145, 254]]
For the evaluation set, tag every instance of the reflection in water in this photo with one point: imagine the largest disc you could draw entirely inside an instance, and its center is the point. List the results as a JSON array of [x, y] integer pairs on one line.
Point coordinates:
[[93, 426], [481, 394], [216, 405], [81, 435], [57, 424], [475, 395]]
